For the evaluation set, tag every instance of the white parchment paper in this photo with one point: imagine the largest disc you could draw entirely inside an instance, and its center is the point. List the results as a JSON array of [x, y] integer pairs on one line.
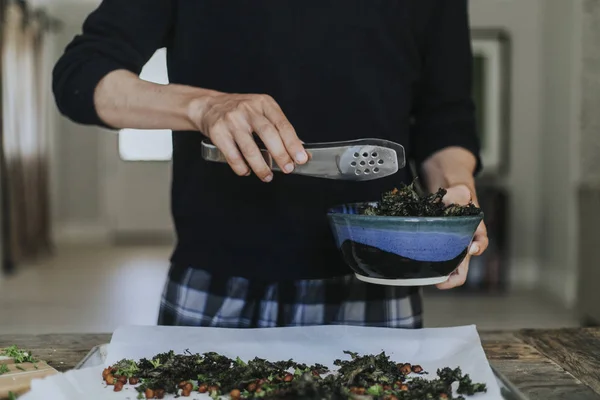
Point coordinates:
[[431, 348]]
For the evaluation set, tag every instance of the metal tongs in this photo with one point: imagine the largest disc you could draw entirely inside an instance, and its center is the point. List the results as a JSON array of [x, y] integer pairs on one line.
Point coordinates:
[[353, 160]]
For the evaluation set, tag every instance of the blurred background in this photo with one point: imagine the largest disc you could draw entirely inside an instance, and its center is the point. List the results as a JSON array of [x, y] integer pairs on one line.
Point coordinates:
[[86, 230]]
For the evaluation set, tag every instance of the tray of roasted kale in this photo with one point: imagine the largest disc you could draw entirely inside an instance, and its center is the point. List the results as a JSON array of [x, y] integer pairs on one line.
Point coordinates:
[[170, 375]]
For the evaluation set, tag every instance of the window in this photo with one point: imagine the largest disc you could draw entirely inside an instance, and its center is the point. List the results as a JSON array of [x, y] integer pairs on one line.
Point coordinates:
[[148, 145]]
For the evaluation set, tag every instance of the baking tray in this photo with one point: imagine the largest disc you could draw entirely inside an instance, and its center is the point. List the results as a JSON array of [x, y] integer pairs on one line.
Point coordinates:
[[97, 356]]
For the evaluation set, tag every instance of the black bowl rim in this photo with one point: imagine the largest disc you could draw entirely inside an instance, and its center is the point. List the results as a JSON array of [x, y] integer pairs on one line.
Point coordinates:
[[363, 217]]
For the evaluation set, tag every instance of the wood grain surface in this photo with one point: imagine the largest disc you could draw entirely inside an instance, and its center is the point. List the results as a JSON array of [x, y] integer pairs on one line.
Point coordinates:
[[533, 373], [575, 350]]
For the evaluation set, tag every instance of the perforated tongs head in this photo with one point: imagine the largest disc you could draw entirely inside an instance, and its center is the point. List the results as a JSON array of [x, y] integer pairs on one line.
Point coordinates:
[[354, 160]]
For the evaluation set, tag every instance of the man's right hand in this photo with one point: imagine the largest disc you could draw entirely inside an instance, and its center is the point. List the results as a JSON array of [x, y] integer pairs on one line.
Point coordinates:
[[229, 121], [123, 100]]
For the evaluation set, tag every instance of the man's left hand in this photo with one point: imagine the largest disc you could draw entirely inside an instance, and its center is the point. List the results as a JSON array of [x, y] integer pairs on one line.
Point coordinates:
[[461, 194]]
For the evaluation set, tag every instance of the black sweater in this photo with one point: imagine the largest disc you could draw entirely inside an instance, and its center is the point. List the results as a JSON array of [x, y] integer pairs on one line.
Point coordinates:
[[340, 69]]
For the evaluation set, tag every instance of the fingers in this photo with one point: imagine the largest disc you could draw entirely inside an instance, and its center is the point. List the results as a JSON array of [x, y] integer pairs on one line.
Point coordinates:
[[231, 120], [480, 241], [225, 142], [458, 277], [253, 156], [271, 138], [233, 136], [292, 143], [477, 247], [238, 126], [459, 194]]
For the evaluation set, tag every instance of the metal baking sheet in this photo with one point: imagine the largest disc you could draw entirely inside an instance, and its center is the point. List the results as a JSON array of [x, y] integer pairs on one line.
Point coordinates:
[[97, 356], [507, 389]]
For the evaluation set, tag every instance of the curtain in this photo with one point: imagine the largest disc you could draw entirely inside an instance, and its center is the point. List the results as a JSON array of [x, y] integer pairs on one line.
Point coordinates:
[[26, 126]]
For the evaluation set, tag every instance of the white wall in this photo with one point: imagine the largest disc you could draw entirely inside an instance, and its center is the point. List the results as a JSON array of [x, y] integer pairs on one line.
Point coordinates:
[[78, 157], [559, 148], [589, 143], [521, 20]]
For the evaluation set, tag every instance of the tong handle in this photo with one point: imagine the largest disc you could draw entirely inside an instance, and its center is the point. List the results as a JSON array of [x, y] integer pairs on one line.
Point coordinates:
[[210, 152], [322, 160]]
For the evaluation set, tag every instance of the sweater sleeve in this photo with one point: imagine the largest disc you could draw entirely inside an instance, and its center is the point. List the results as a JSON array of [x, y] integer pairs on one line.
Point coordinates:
[[444, 111], [119, 34]]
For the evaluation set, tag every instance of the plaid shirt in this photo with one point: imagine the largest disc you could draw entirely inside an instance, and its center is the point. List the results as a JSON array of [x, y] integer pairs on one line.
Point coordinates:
[[193, 297]]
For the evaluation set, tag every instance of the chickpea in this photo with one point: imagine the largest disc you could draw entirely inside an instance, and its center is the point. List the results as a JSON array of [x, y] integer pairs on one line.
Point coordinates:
[[122, 379], [110, 379], [118, 387], [417, 369], [203, 388], [149, 393], [235, 394], [159, 393], [251, 387], [288, 378], [404, 369], [134, 381], [357, 390]]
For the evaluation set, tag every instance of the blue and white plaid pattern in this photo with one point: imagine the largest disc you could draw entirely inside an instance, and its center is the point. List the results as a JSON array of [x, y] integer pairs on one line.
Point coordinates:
[[193, 297]]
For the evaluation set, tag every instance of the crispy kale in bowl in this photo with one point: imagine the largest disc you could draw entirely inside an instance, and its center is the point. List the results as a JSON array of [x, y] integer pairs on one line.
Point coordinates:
[[406, 202]]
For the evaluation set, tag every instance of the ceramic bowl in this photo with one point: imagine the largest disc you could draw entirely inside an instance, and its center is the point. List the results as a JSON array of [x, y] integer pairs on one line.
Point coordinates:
[[401, 251]]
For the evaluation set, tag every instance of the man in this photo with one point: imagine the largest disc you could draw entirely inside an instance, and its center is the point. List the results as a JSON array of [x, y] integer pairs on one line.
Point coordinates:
[[258, 252]]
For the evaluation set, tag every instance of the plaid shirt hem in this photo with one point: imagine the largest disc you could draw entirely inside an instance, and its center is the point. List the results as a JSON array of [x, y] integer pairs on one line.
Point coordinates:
[[193, 297]]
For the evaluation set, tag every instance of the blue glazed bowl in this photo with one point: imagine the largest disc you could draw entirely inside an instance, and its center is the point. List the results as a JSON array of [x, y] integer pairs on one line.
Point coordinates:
[[401, 251]]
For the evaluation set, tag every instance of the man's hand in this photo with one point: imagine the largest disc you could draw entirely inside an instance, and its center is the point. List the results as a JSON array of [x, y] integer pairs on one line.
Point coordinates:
[[460, 194], [123, 100], [230, 120]]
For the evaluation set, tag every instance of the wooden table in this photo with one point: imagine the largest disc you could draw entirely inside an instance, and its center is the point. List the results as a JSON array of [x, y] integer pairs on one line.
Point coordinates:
[[543, 364]]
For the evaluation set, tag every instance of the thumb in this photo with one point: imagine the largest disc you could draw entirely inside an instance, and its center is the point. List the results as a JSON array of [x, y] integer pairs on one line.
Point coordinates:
[[459, 194]]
